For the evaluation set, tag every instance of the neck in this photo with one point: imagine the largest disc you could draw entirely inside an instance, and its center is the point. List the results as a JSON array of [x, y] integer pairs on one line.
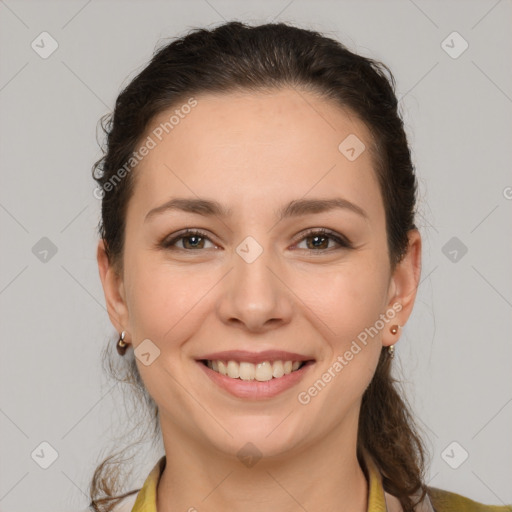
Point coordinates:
[[317, 478]]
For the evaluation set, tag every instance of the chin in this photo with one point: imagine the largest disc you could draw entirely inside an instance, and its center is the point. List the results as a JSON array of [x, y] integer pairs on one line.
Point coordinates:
[[269, 436]]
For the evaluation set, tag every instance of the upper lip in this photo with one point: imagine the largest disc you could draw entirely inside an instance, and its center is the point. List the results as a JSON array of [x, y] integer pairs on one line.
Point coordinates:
[[254, 357]]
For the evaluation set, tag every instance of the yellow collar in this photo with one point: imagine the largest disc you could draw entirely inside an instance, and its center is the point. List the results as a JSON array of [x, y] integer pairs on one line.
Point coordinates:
[[146, 498]]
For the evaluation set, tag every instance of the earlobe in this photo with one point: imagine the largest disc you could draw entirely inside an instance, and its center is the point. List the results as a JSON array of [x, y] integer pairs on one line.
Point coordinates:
[[113, 289]]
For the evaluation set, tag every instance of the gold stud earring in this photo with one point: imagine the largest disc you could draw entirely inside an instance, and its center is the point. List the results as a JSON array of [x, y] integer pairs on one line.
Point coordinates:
[[121, 345], [394, 329], [391, 349]]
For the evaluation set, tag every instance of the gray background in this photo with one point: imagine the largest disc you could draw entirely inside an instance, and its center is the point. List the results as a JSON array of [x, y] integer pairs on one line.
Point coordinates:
[[455, 353]]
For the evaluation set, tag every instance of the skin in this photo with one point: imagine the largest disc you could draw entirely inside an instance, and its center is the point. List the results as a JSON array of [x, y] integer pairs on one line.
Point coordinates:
[[254, 153]]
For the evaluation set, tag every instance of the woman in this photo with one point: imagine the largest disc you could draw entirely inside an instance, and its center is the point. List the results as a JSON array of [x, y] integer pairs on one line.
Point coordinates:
[[259, 259]]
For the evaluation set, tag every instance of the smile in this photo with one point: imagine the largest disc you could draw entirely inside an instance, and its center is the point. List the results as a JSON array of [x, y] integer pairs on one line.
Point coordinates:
[[244, 370]]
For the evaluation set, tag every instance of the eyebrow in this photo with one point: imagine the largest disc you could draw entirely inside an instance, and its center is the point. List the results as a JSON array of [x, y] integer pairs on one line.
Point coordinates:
[[295, 208]]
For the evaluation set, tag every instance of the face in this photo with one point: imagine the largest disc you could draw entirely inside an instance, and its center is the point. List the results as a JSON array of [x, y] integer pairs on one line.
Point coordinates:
[[258, 274]]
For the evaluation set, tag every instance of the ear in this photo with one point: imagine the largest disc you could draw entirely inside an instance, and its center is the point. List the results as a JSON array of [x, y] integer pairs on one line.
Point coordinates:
[[113, 288], [403, 287]]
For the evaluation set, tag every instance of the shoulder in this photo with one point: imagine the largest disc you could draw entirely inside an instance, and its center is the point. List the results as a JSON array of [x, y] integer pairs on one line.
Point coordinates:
[[446, 501]]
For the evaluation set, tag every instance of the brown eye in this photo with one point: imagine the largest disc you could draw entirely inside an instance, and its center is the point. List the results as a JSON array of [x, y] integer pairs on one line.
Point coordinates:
[[191, 240], [318, 240]]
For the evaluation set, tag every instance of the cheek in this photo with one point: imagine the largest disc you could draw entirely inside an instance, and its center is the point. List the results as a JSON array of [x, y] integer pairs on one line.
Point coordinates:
[[346, 299], [164, 300], [350, 304], [156, 301]]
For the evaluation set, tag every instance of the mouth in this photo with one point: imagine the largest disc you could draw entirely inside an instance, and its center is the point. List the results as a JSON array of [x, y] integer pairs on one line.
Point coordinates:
[[255, 375], [261, 372]]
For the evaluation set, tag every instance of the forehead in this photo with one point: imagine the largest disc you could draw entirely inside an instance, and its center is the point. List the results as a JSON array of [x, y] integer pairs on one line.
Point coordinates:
[[263, 145]]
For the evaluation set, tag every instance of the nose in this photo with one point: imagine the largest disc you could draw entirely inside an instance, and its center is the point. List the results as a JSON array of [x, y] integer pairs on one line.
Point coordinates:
[[254, 296]]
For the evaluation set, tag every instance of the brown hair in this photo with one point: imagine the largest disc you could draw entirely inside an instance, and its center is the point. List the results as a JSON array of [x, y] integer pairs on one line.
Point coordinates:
[[238, 57]]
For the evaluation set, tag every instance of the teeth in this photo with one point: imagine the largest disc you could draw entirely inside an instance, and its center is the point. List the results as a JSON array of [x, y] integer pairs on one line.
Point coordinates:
[[263, 371], [278, 369], [233, 370], [248, 371], [222, 368]]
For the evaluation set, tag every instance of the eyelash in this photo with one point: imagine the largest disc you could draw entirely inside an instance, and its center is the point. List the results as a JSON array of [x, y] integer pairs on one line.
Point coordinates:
[[342, 241]]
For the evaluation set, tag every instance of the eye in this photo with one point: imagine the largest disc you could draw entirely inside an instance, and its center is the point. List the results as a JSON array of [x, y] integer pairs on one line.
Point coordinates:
[[192, 240], [320, 240]]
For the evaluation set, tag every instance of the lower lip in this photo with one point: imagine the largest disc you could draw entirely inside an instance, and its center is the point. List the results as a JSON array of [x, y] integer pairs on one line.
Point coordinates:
[[254, 389]]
